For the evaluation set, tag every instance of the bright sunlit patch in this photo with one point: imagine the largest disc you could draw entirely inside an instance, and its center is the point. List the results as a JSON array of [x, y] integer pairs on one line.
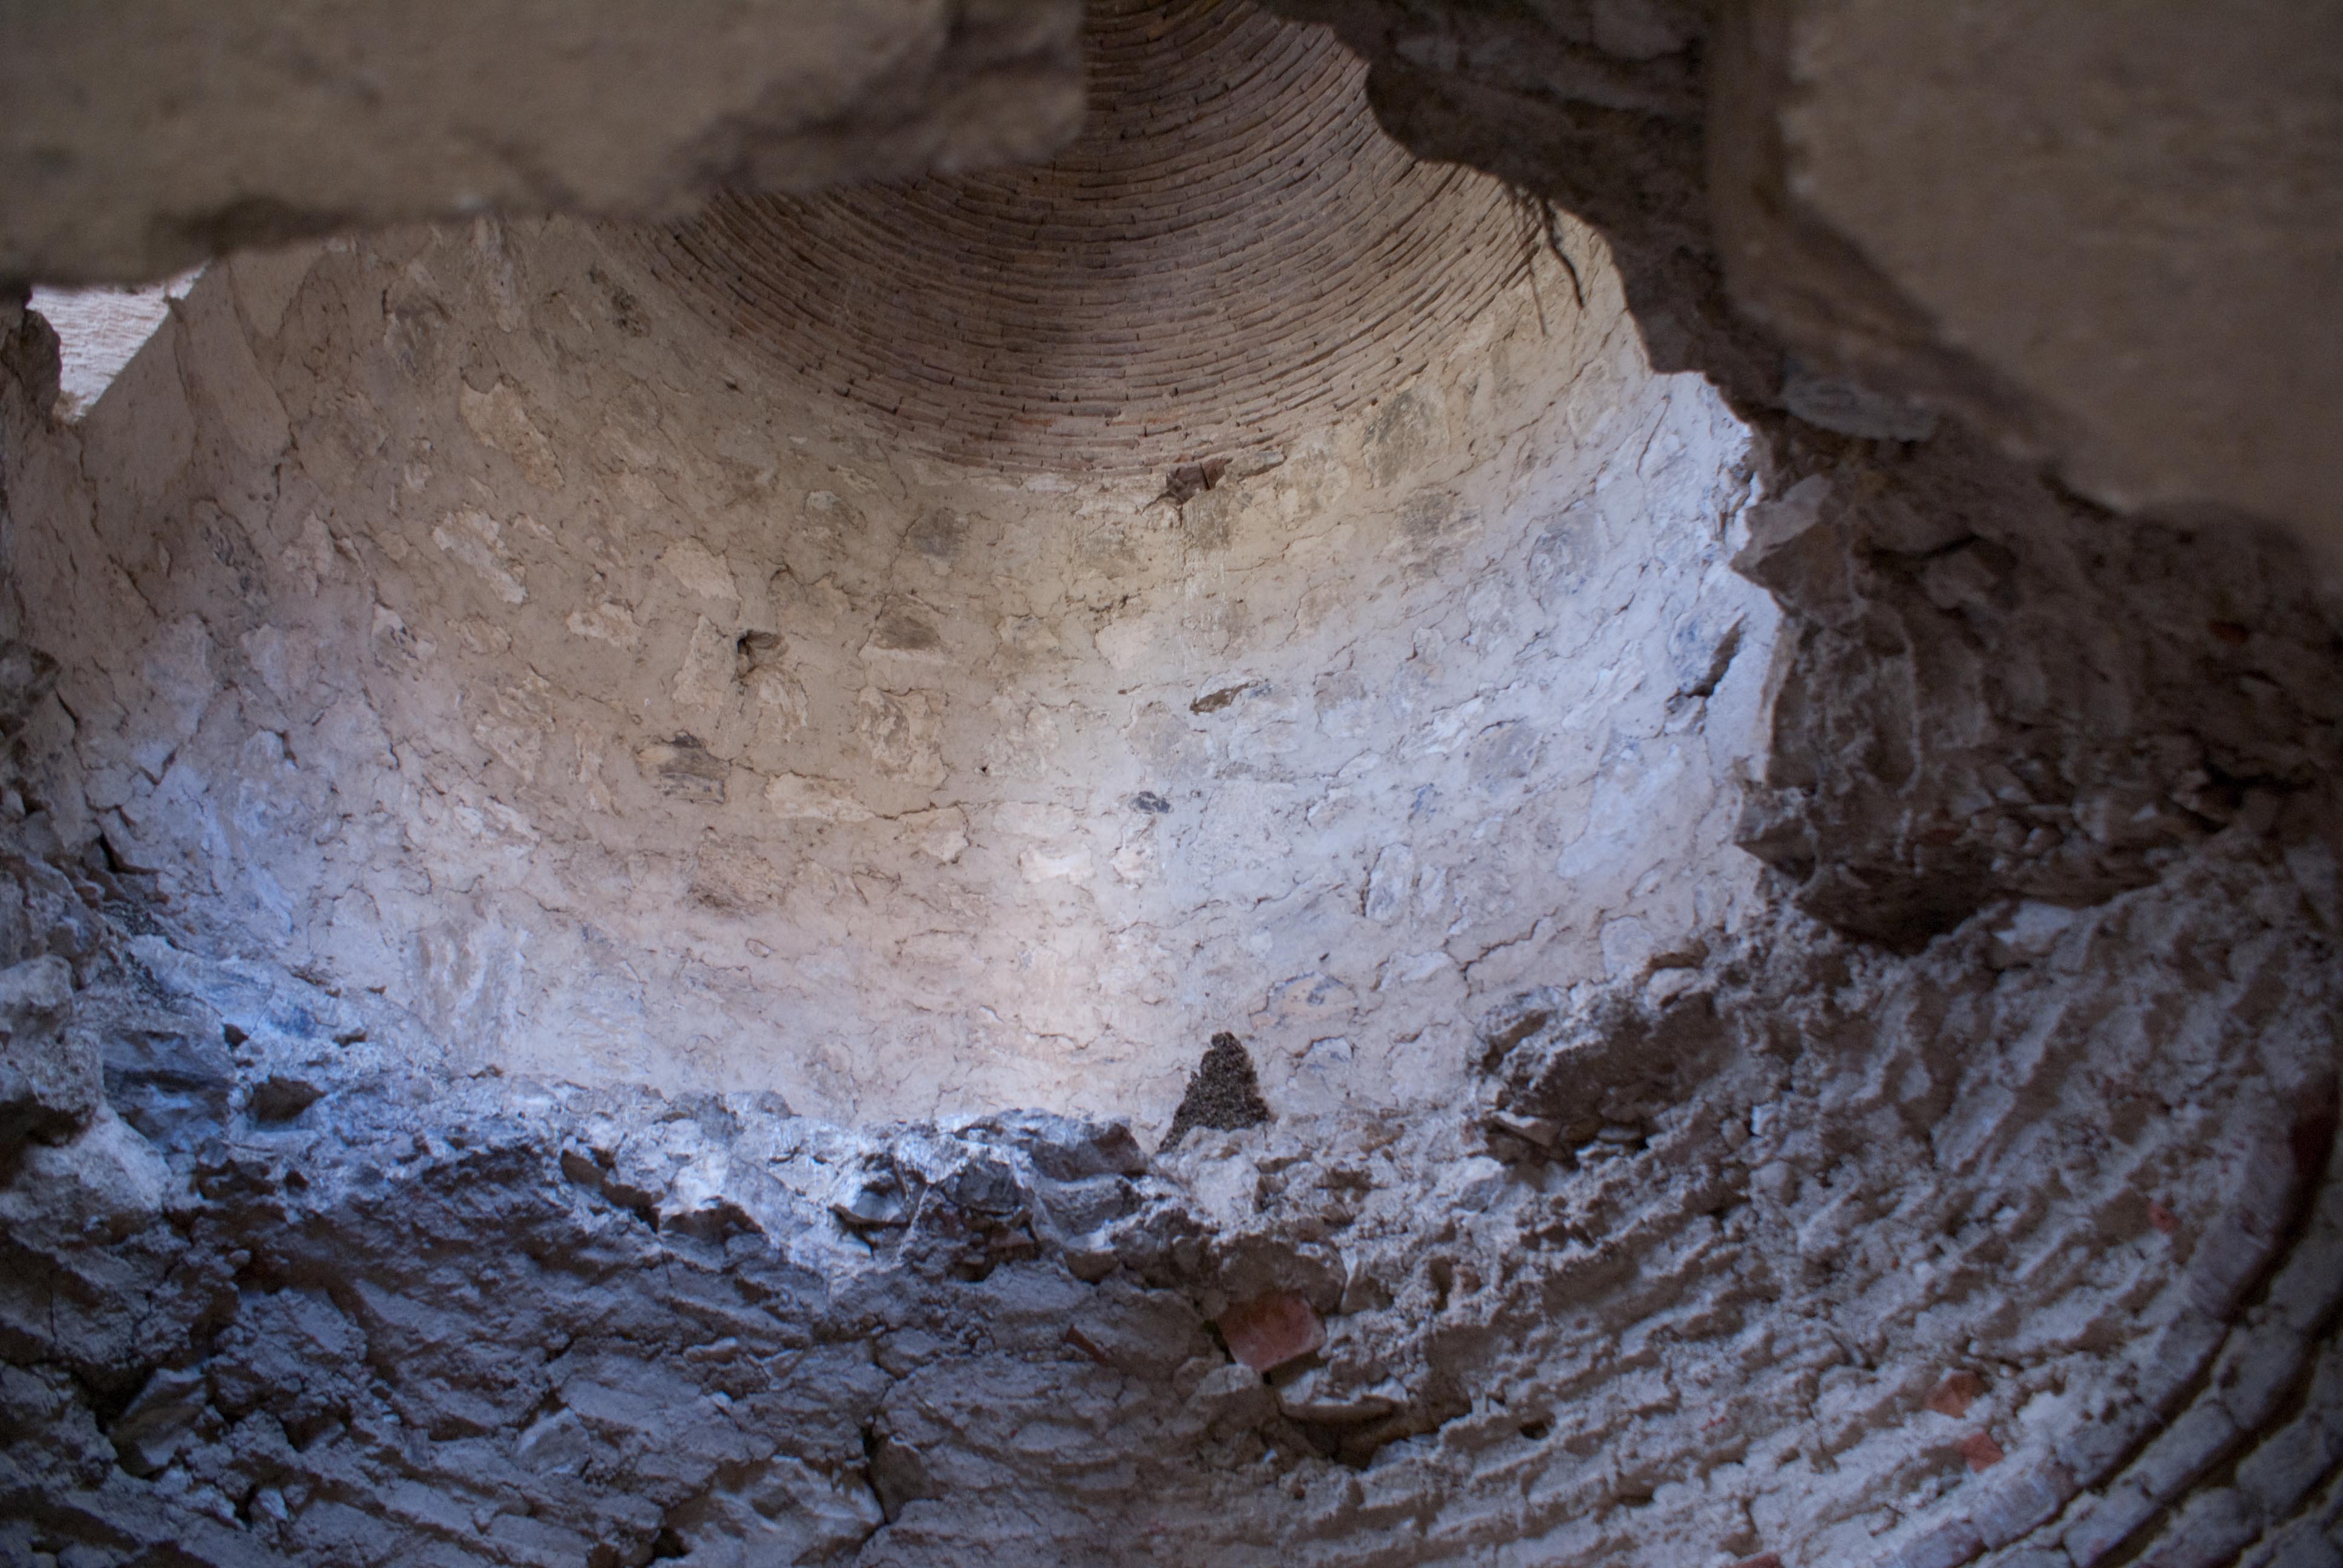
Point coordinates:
[[100, 328]]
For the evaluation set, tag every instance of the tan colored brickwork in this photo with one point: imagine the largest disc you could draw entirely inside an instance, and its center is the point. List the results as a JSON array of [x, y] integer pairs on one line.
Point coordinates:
[[1233, 253]]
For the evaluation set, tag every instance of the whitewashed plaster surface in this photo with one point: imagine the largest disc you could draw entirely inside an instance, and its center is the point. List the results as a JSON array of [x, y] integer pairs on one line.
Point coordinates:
[[454, 616]]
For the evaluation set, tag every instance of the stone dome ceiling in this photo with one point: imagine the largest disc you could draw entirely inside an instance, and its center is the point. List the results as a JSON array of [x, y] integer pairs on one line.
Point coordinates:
[[1232, 254], [609, 925]]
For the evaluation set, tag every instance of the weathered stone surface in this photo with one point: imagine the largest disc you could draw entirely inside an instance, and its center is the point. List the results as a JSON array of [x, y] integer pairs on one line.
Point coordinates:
[[1954, 1396], [141, 138], [651, 777], [2101, 242], [2109, 246], [433, 1313], [1064, 1148], [50, 1082], [1947, 754], [325, 1363], [477, 692]]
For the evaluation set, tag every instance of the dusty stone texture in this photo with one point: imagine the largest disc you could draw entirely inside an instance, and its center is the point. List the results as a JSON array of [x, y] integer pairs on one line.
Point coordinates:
[[458, 614], [1934, 1195], [142, 138], [1678, 1272], [1685, 1280], [2107, 246], [2103, 242], [1993, 690]]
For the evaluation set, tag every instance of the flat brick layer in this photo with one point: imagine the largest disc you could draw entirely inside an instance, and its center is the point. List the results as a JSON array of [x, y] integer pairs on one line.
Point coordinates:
[[1231, 255]]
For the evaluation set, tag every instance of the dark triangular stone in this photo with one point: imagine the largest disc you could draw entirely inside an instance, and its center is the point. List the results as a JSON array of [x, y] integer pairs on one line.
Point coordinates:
[[1221, 1092]]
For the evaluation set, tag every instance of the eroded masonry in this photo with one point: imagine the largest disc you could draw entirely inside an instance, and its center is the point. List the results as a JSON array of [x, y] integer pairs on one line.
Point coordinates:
[[973, 788]]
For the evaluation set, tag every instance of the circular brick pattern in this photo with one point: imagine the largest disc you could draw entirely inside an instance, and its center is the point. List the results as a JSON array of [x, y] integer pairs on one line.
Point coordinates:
[[1231, 255]]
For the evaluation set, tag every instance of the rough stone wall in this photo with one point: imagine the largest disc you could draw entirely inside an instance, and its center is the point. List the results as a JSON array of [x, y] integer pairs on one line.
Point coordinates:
[[141, 139], [1992, 689], [2109, 246], [2102, 243], [2019, 1249], [458, 616], [2023, 1250], [1965, 1190]]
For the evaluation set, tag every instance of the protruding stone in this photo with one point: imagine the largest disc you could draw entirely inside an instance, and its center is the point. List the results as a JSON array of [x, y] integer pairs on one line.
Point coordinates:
[[50, 1084], [150, 1431], [1317, 1395], [898, 1474], [866, 1204], [1232, 1397], [1065, 1148], [1541, 1131]]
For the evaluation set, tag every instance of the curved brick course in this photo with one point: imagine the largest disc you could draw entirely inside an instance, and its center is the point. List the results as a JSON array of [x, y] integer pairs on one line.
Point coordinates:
[[1231, 255]]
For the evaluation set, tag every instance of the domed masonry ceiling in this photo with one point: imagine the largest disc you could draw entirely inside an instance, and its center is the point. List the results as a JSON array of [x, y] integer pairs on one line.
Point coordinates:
[[1230, 255], [512, 638], [1386, 937]]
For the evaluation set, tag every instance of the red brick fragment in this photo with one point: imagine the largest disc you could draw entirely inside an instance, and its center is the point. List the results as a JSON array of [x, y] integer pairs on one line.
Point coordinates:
[[1763, 1560], [1087, 1346], [2162, 1218], [1955, 1394], [1980, 1450], [1270, 1331], [2228, 631]]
